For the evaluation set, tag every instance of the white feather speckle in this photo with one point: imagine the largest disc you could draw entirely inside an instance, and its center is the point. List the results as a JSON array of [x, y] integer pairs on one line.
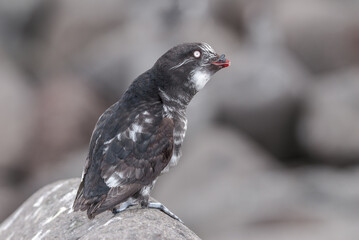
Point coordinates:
[[136, 128], [103, 152], [115, 179], [109, 141], [207, 48], [182, 63], [119, 137], [178, 141], [112, 181], [173, 162], [148, 120], [82, 175], [145, 191], [168, 111]]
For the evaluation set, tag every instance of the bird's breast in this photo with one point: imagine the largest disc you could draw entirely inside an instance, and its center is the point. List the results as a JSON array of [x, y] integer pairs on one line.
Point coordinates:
[[179, 133]]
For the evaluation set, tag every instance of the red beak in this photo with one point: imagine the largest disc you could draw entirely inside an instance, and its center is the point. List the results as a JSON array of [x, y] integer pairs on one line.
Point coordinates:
[[222, 61]]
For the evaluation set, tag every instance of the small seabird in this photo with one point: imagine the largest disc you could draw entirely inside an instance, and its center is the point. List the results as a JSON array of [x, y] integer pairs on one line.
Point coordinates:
[[140, 136]]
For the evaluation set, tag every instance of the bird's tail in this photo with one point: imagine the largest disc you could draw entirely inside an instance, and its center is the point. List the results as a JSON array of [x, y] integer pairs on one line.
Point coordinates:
[[91, 205], [79, 199]]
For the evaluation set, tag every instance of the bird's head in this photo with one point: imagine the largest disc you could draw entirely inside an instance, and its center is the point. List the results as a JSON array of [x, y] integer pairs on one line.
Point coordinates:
[[188, 67]]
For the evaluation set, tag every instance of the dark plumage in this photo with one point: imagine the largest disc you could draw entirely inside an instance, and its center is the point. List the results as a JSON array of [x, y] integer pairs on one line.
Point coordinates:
[[140, 136]]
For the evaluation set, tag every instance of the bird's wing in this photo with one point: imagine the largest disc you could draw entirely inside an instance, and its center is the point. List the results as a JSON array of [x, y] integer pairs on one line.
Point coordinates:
[[96, 134], [130, 165], [122, 165]]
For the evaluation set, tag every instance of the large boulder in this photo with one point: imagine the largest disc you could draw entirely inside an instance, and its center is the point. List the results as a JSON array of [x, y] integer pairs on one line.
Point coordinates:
[[217, 178], [48, 214], [225, 187], [66, 112], [322, 34], [16, 106], [328, 128], [261, 94]]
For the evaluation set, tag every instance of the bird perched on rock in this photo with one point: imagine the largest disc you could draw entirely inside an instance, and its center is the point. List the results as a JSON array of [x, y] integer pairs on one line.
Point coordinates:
[[140, 136]]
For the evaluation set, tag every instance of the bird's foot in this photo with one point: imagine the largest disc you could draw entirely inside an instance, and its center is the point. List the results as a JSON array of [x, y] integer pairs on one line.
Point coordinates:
[[161, 207], [123, 207]]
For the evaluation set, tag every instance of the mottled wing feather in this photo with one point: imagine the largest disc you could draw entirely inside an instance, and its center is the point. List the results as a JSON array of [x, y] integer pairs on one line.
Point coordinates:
[[120, 165], [140, 167], [115, 196], [80, 202]]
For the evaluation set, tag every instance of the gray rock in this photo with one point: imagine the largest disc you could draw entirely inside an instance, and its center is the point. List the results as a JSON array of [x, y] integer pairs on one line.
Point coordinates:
[[66, 112], [226, 188], [8, 201], [74, 26], [212, 186], [231, 14], [17, 115], [329, 125], [14, 19], [48, 214], [322, 34], [260, 93]]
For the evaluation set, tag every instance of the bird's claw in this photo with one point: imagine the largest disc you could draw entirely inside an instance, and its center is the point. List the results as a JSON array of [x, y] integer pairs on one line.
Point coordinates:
[[161, 207]]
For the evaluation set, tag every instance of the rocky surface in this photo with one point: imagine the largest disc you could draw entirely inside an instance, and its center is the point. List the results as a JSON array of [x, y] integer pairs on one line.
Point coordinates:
[[48, 214]]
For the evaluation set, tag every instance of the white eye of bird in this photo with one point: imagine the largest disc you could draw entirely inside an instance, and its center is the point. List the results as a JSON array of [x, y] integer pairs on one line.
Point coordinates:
[[197, 54]]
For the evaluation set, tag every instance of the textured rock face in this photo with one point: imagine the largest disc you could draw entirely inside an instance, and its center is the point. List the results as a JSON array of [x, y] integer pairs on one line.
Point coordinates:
[[48, 214]]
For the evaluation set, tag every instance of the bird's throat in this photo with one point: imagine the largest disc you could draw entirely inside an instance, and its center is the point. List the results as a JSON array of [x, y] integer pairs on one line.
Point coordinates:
[[200, 77]]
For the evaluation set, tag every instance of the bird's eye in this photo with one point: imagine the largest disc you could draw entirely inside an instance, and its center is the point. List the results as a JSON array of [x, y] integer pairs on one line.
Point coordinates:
[[196, 54]]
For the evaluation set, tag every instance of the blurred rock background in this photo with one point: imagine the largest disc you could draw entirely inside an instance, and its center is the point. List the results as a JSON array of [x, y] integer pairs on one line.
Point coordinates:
[[272, 150]]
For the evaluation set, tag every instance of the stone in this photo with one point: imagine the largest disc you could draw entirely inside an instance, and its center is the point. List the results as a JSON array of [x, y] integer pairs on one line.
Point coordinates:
[[17, 115], [225, 187], [66, 112], [261, 94], [317, 35], [8, 201], [14, 21], [73, 27], [48, 214], [206, 187], [328, 127], [231, 14]]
